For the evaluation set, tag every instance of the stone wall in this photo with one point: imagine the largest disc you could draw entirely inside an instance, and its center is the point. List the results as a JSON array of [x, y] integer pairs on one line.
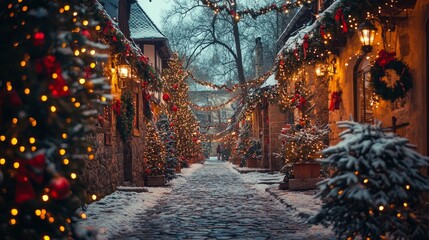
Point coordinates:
[[105, 172]]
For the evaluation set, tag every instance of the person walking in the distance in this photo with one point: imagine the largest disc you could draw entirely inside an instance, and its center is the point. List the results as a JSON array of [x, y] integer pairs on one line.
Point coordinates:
[[219, 151]]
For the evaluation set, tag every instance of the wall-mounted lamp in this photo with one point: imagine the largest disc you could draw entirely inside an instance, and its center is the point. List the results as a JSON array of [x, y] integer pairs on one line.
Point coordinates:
[[367, 31], [320, 70], [124, 70]]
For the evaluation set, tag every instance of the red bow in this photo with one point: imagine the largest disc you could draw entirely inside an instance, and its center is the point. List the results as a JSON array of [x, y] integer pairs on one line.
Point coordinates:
[[339, 16], [385, 58], [335, 101], [117, 106], [31, 169]]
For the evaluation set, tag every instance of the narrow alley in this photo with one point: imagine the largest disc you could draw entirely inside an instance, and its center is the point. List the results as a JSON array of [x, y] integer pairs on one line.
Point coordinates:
[[215, 203]]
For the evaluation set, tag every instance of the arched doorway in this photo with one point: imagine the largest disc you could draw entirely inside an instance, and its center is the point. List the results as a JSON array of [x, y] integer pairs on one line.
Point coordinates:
[[362, 91]]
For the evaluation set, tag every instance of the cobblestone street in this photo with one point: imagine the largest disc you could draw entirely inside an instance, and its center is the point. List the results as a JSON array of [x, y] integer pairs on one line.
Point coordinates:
[[215, 203]]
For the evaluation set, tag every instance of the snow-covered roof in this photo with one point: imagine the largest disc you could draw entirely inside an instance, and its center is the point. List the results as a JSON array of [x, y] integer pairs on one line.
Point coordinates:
[[271, 81], [298, 39], [141, 26]]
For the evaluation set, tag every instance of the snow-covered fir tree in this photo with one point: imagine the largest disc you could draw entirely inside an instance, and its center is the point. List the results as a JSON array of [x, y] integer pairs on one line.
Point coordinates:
[[376, 186], [167, 136]]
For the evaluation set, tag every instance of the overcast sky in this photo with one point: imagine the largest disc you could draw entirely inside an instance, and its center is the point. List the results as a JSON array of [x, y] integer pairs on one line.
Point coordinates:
[[154, 9]]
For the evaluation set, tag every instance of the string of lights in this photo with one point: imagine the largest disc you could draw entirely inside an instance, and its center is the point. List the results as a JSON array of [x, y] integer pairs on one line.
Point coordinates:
[[237, 15], [213, 108], [251, 83]]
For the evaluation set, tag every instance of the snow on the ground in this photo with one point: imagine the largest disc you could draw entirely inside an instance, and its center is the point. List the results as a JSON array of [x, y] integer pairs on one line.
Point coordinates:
[[302, 203], [119, 210]]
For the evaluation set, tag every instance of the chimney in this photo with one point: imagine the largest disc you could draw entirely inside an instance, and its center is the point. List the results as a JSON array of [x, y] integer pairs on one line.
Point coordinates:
[[258, 57]]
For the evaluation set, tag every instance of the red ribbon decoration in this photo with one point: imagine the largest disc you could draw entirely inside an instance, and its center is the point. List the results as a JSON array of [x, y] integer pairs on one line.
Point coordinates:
[[322, 31], [339, 16], [296, 54], [335, 101], [305, 45], [116, 107], [385, 58], [108, 27], [31, 169]]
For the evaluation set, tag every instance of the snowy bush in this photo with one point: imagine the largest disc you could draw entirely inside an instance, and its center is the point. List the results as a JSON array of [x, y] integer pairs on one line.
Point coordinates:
[[376, 185]]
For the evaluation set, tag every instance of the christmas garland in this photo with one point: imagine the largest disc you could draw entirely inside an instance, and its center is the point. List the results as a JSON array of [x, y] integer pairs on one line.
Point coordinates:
[[125, 117], [384, 62]]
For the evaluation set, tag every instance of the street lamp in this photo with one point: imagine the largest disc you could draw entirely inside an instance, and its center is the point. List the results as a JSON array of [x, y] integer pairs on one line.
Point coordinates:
[[366, 31]]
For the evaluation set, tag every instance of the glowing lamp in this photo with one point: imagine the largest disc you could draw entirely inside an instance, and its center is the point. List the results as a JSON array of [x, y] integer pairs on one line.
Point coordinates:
[[124, 71], [320, 70], [366, 31]]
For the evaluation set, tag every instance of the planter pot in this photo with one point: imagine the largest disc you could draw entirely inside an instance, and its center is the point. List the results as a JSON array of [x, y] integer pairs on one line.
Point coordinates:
[[252, 163], [155, 181], [306, 170]]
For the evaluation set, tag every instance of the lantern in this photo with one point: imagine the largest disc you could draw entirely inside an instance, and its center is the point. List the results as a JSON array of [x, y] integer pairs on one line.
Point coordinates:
[[367, 32]]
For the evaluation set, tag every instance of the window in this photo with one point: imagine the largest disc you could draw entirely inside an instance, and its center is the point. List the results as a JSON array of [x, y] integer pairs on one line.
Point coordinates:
[[363, 96]]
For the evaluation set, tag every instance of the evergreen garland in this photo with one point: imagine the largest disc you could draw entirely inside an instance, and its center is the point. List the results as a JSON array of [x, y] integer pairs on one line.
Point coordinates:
[[124, 120]]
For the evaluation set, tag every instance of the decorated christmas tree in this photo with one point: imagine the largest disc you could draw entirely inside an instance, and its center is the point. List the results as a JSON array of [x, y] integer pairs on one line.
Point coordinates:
[[303, 144], [376, 186], [50, 86], [154, 152], [168, 137], [243, 143], [183, 120]]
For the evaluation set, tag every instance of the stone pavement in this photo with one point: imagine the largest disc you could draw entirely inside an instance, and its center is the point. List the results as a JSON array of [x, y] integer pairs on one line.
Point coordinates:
[[215, 203]]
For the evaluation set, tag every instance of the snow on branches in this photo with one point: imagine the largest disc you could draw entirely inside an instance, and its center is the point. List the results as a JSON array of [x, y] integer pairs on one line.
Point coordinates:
[[376, 185]]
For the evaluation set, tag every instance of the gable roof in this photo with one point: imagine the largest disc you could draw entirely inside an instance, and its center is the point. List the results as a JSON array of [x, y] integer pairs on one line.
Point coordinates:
[[141, 26]]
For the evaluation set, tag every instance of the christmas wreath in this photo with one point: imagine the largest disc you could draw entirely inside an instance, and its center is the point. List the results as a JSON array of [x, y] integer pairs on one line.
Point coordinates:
[[388, 61]]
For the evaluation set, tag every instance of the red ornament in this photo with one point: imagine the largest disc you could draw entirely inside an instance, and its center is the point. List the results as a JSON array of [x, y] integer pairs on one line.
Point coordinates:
[[59, 188], [86, 33], [38, 39], [195, 139], [59, 87], [174, 108], [166, 97], [175, 86]]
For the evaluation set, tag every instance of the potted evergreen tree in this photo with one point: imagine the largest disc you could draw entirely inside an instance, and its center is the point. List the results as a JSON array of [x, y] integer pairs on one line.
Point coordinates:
[[376, 186], [154, 153], [254, 153]]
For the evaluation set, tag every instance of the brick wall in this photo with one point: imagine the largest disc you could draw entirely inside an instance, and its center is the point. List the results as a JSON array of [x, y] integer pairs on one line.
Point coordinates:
[[277, 120]]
